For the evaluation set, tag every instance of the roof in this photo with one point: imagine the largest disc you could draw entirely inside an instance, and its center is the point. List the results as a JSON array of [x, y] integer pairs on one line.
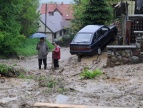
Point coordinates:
[[52, 23], [90, 28], [64, 9]]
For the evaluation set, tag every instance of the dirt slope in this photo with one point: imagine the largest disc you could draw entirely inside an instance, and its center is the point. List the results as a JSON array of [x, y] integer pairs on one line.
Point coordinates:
[[119, 86]]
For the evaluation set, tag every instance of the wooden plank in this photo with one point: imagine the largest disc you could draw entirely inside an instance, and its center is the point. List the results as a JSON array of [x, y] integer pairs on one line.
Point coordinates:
[[50, 105]]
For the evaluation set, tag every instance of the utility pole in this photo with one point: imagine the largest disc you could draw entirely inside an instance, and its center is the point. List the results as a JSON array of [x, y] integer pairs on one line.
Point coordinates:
[[45, 17]]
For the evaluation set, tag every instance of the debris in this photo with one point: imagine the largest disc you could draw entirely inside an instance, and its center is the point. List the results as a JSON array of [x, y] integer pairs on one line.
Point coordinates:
[[61, 99]]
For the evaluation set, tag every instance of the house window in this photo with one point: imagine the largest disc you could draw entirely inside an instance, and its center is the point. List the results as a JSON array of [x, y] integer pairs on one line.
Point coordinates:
[[51, 13], [55, 36], [64, 31], [61, 33]]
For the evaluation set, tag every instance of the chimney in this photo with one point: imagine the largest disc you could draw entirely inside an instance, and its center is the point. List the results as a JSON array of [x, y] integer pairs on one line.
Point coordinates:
[[62, 3]]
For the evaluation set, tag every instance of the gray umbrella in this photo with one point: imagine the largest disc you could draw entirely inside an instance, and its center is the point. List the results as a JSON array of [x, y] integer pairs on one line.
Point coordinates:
[[38, 35]]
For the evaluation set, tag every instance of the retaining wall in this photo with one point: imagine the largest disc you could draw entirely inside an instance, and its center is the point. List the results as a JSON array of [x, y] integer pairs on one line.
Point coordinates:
[[125, 54]]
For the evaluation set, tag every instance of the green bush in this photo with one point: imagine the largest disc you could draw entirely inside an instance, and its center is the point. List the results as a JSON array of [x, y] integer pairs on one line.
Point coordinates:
[[90, 74], [9, 71], [28, 47], [8, 43]]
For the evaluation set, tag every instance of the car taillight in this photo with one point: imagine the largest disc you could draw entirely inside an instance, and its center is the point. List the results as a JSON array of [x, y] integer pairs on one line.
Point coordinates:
[[80, 48]]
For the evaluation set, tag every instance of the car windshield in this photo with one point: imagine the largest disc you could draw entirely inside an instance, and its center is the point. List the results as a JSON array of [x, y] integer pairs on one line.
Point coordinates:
[[83, 38]]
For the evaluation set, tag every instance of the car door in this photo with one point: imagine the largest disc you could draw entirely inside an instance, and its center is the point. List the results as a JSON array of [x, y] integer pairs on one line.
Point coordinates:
[[99, 38], [105, 34], [94, 41]]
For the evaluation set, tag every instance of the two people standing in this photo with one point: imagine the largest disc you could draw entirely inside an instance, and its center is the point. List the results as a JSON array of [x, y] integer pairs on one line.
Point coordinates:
[[43, 50]]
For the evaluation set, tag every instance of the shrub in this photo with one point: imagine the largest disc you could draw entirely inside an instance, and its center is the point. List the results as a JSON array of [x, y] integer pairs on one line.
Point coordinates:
[[9, 71], [8, 43], [90, 74], [28, 47]]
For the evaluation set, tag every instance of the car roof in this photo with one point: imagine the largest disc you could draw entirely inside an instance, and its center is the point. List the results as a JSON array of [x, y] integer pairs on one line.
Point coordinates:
[[91, 28]]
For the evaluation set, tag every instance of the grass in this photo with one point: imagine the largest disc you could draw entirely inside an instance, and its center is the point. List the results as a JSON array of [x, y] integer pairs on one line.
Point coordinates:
[[90, 74], [23, 76], [28, 47], [10, 71]]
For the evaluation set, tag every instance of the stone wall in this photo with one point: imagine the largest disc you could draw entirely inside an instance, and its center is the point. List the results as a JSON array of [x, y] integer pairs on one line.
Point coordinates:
[[121, 54], [125, 54]]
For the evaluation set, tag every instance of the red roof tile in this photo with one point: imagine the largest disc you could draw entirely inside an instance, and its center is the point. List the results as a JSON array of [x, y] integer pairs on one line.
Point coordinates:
[[65, 9]]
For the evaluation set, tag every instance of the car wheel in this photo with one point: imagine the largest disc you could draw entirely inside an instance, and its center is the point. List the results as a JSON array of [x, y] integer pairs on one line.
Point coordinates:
[[99, 51]]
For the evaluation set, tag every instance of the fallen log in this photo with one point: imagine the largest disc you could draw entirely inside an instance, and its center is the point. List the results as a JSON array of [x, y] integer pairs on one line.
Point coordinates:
[[50, 105]]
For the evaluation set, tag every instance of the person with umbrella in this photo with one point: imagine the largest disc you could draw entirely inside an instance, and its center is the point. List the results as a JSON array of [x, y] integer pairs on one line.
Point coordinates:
[[42, 48]]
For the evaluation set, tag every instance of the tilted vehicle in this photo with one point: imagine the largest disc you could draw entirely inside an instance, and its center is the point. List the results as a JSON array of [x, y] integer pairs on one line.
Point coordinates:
[[91, 39]]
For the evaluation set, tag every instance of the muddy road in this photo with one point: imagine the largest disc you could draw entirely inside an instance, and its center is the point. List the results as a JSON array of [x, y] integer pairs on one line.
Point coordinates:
[[121, 86]]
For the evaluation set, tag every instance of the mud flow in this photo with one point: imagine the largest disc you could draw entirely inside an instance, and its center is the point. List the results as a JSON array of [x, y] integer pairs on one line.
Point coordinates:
[[120, 86]]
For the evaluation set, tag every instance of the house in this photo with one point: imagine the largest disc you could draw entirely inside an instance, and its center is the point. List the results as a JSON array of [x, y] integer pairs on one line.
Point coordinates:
[[65, 9], [54, 19], [53, 25], [134, 20]]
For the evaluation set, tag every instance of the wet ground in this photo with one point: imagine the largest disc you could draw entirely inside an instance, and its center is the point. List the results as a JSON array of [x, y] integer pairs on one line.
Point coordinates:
[[121, 86]]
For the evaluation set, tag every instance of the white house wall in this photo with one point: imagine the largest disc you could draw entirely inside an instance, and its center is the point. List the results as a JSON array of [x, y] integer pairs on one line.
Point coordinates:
[[49, 37], [42, 27], [131, 7]]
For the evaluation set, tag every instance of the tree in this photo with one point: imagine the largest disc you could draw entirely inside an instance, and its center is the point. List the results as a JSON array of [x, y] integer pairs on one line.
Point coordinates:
[[15, 17], [29, 17], [91, 12]]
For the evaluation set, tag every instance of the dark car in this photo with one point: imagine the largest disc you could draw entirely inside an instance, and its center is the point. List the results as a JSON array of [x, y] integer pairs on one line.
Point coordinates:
[[91, 39]]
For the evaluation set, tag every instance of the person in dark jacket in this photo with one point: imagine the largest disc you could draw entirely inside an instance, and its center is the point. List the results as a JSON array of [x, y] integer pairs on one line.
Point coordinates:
[[42, 48], [56, 55]]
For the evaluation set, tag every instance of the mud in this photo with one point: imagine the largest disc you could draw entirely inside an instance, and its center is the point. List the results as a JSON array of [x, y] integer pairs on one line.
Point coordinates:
[[120, 86]]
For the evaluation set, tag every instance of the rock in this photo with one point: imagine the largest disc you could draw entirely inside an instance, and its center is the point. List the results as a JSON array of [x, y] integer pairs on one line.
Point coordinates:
[[136, 52], [141, 53], [127, 51], [113, 59], [109, 55], [127, 55], [138, 45], [117, 63], [119, 58], [139, 38], [111, 64], [108, 62], [123, 54], [125, 60], [62, 99], [135, 59], [120, 52], [105, 66], [117, 54], [109, 52], [21, 58], [142, 45]]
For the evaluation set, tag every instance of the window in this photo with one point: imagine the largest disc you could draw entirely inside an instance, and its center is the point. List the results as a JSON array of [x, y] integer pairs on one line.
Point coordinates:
[[94, 37], [104, 30], [55, 36], [61, 33], [51, 13], [83, 38], [98, 33]]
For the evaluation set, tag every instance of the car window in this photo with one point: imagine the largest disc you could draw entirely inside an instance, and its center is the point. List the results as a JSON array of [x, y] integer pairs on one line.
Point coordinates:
[[94, 37], [85, 37], [104, 30], [98, 33]]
